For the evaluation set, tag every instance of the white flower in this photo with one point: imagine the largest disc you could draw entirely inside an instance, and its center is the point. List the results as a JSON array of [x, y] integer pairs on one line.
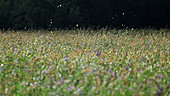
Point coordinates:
[[2, 65]]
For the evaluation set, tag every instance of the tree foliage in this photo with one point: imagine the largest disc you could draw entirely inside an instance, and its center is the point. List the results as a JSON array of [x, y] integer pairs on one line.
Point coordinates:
[[45, 14]]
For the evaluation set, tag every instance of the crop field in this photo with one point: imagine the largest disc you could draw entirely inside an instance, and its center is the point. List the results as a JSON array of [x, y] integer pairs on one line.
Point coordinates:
[[85, 63]]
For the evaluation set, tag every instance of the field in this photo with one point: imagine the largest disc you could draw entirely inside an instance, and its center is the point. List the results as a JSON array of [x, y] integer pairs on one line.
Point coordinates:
[[85, 63]]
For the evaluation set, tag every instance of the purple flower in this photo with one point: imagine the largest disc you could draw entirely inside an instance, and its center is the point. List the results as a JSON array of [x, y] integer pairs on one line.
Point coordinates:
[[1, 68], [130, 70], [138, 70], [15, 49], [68, 89], [129, 65], [46, 71], [109, 71], [159, 76], [51, 79], [62, 79], [73, 87], [38, 78], [130, 89], [114, 73], [27, 70], [159, 92], [88, 54], [94, 71], [126, 68], [159, 86], [98, 53], [59, 92], [162, 76], [78, 90], [15, 53], [140, 86], [43, 66], [57, 82], [65, 58], [2, 57]]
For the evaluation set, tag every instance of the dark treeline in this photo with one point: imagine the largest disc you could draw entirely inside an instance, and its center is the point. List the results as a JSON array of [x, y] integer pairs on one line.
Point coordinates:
[[49, 14]]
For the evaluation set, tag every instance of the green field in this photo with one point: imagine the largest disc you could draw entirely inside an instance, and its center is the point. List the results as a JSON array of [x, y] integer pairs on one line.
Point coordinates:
[[85, 63]]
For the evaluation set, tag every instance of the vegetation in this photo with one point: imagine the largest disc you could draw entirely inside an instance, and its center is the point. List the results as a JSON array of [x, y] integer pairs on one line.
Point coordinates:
[[49, 14], [85, 62]]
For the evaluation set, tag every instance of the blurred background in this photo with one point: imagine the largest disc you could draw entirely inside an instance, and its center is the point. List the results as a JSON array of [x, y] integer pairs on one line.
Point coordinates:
[[68, 14]]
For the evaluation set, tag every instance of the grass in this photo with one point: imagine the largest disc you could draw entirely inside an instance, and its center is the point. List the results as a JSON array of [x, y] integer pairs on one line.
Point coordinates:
[[85, 62]]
